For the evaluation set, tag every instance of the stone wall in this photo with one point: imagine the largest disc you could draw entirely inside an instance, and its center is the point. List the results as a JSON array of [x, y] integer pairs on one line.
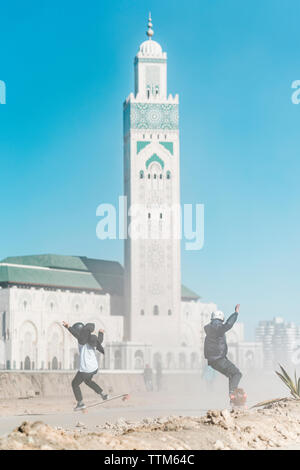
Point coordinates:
[[49, 384]]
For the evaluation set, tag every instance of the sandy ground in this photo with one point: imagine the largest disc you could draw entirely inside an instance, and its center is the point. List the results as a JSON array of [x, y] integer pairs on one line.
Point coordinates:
[[166, 420], [272, 427]]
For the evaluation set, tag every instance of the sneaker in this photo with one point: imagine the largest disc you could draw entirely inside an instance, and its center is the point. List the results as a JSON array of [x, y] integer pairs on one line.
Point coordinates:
[[80, 406], [104, 396], [232, 399], [238, 398]]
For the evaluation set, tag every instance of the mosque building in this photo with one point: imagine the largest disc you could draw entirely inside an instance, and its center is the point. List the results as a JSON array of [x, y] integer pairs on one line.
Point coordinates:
[[146, 312]]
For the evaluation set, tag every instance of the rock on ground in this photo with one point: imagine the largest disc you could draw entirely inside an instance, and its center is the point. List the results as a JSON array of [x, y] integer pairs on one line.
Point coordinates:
[[275, 426]]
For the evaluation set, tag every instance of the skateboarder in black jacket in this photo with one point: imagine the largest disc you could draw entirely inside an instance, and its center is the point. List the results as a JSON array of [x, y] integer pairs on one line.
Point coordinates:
[[215, 348]]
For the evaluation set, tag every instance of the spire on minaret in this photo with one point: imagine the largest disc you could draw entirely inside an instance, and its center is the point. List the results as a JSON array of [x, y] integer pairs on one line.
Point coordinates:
[[150, 31]]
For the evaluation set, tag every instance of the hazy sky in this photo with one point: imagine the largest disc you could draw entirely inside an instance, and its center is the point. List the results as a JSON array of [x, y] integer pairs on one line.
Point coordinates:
[[68, 66]]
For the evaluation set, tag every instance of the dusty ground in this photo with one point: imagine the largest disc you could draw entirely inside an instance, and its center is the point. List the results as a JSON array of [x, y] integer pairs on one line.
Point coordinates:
[[171, 419], [273, 427]]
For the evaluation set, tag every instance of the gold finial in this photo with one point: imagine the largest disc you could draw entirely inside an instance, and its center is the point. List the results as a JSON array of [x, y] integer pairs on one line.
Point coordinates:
[[150, 31]]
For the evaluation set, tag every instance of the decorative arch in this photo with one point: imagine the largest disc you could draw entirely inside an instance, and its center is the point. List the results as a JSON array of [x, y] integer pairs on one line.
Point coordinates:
[[28, 342], [155, 158], [195, 362], [25, 301], [27, 363], [117, 359], [51, 303], [182, 360], [170, 360], [138, 359], [55, 346], [77, 305], [157, 358]]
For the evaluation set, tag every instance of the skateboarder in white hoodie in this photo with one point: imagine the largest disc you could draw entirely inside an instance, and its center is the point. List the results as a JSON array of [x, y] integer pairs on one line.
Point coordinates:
[[88, 364]]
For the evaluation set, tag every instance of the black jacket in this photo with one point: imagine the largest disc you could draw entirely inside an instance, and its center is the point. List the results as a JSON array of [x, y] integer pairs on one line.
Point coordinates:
[[215, 345], [85, 336]]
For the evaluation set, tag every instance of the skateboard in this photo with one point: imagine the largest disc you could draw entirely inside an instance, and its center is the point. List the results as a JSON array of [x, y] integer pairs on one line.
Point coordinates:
[[124, 397]]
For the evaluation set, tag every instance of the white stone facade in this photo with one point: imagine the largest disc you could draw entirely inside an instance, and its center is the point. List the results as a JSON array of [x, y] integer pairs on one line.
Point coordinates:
[[152, 187], [35, 337]]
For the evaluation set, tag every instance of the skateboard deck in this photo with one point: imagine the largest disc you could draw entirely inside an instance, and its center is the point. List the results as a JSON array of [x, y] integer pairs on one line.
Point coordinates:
[[124, 396]]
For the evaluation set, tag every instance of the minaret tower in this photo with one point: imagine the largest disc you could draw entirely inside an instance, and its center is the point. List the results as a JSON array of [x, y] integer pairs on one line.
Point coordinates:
[[151, 184]]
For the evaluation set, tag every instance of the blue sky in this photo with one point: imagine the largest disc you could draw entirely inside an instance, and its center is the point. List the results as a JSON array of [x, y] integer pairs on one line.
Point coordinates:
[[68, 66]]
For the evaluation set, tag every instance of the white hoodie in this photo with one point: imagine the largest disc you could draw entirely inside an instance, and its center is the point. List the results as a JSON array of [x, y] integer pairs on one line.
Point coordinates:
[[88, 361]]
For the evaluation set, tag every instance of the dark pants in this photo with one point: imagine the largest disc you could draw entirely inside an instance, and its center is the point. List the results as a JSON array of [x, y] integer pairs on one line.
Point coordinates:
[[227, 368], [87, 379]]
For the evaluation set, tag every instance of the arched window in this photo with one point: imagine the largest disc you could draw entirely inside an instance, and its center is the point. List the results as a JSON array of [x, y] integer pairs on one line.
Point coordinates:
[[169, 312], [141, 174], [160, 176], [142, 311], [54, 363], [182, 361], [154, 176], [27, 363], [168, 175], [118, 359], [170, 360], [194, 360], [149, 176], [139, 359], [157, 359], [155, 310]]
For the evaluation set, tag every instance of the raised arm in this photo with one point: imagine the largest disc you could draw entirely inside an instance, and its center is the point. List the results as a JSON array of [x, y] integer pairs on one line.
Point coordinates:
[[232, 319], [100, 336], [100, 341], [71, 330], [221, 328]]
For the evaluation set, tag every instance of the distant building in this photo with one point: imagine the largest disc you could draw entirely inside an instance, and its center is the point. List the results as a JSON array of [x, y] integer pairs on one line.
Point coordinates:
[[280, 340]]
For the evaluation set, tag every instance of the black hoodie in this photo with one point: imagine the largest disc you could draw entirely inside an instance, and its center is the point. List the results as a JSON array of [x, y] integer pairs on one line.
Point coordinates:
[[215, 345], [85, 336]]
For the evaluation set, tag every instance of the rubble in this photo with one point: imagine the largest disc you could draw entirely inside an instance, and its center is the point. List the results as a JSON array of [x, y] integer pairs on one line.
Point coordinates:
[[276, 426]]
